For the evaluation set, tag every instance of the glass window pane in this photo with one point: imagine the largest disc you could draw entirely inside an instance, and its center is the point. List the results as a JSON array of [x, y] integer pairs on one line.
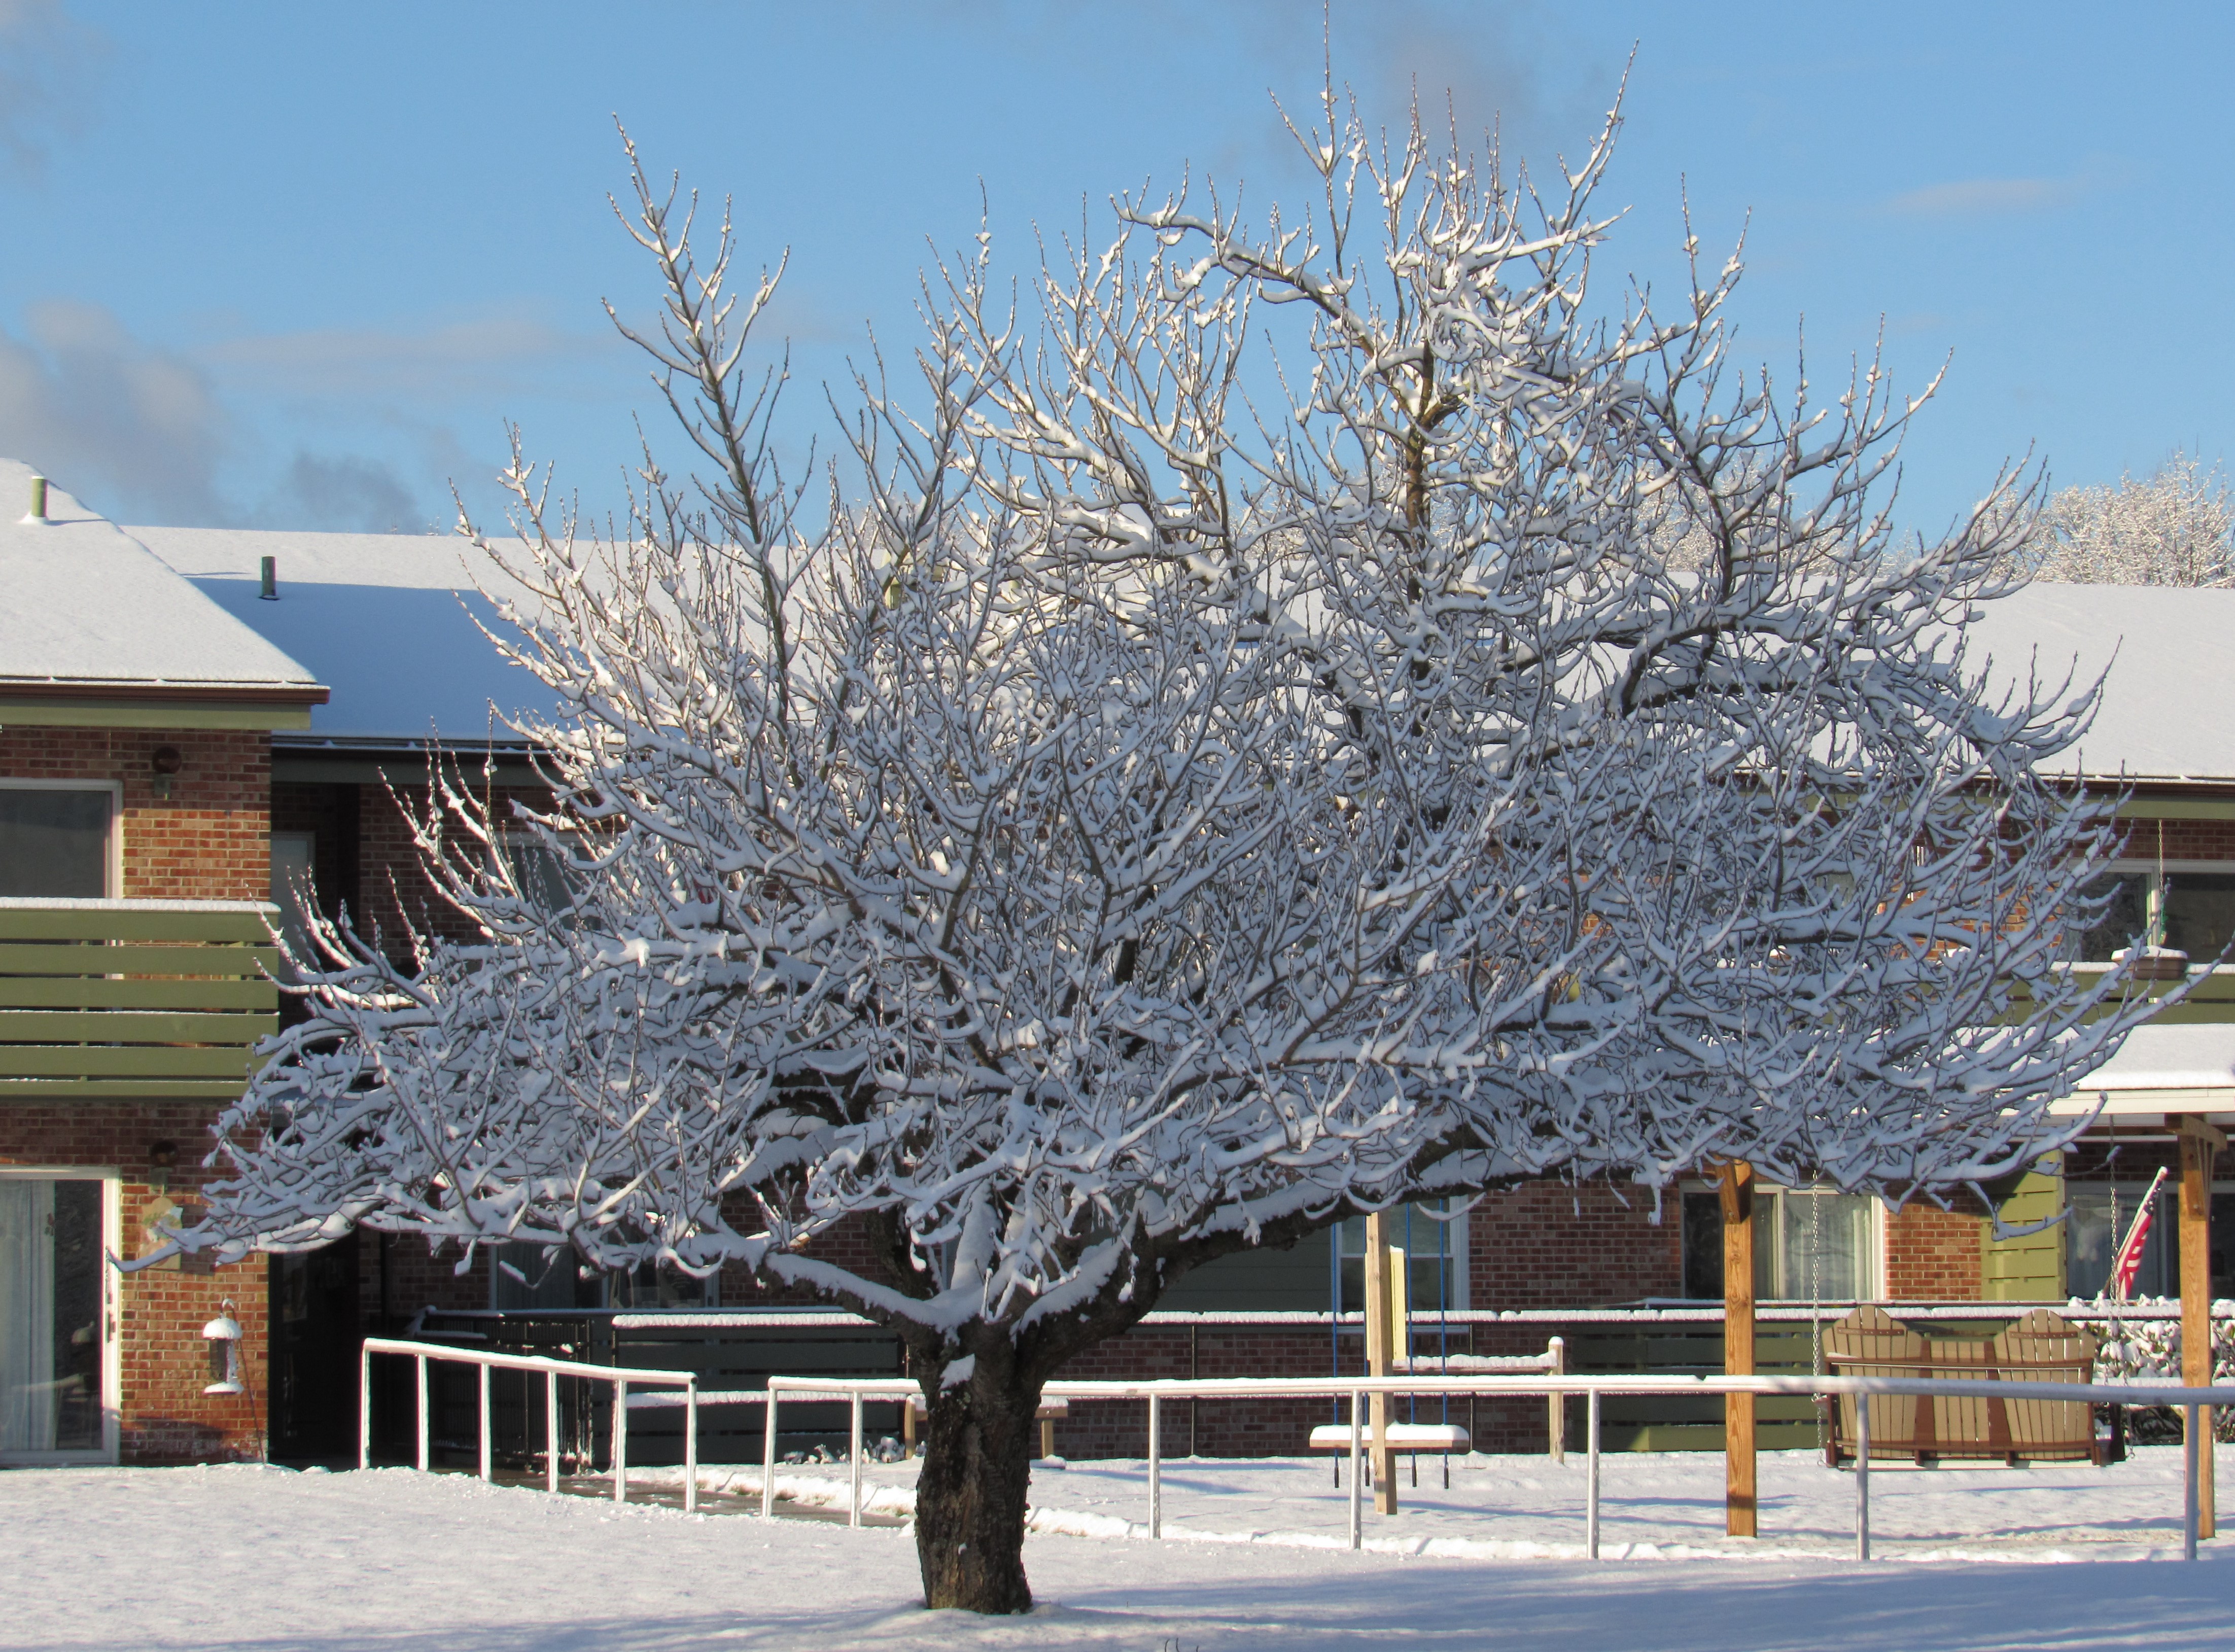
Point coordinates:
[[1824, 1247], [543, 873], [2200, 913], [2119, 923], [1432, 1260], [294, 893], [1703, 1246], [51, 1262], [529, 1279], [2101, 1213], [53, 844]]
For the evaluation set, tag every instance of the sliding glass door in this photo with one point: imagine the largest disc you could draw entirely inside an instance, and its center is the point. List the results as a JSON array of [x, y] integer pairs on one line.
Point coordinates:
[[55, 1384]]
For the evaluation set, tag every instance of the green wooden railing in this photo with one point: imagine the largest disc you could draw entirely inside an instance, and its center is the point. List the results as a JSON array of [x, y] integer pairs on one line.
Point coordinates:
[[115, 999]]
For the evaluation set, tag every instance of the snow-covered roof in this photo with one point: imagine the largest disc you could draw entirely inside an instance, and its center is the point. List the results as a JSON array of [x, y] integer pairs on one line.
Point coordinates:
[[387, 620], [2178, 1069], [83, 607], [2165, 713], [2170, 1058]]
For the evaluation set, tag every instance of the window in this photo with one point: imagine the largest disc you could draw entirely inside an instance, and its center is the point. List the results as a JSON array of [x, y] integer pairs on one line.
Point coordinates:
[[294, 894], [652, 1286], [528, 1279], [1434, 1248], [52, 1287], [1808, 1246], [546, 875], [525, 1279], [1264, 1281], [55, 840], [1302, 1277], [2101, 1213], [2199, 910]]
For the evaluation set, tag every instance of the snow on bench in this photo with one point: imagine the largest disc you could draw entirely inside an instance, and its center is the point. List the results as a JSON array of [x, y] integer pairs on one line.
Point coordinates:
[[1398, 1436]]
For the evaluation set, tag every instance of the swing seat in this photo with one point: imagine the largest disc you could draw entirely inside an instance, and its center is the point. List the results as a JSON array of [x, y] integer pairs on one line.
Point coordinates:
[[1447, 1439], [2041, 1347]]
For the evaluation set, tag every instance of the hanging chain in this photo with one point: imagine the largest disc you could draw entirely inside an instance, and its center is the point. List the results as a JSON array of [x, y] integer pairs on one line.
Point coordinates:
[[1816, 1299]]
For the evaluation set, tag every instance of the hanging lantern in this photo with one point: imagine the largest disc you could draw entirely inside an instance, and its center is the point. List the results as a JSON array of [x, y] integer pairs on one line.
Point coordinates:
[[223, 1335]]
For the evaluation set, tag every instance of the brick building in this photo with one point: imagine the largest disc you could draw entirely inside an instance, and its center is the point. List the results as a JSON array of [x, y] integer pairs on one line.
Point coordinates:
[[193, 722], [136, 721]]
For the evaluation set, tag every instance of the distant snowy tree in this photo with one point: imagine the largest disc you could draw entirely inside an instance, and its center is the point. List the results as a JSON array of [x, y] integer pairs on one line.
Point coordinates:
[[2172, 527], [1176, 797]]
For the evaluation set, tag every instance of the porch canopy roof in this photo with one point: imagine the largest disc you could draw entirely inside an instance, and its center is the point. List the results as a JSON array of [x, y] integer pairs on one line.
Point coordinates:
[[2162, 1070]]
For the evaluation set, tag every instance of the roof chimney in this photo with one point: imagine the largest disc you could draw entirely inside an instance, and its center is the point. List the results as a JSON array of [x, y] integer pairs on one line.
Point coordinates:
[[38, 500], [270, 591]]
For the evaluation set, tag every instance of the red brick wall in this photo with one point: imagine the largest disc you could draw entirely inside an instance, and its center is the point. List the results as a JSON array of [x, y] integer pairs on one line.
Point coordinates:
[[163, 1358], [413, 1276], [1933, 1256], [207, 840], [2185, 840], [392, 887], [1546, 1244]]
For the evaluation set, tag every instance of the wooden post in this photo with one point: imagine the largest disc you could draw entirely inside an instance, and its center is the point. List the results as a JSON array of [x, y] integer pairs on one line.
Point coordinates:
[[2200, 1142], [1737, 1190], [1377, 1357]]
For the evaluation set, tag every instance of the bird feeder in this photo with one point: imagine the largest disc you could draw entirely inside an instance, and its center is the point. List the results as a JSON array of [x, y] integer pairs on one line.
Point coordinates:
[[223, 1335]]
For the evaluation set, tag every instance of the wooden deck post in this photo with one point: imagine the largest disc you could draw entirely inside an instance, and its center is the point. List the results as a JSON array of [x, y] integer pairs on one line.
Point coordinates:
[[2200, 1142], [1377, 1357], [1736, 1187]]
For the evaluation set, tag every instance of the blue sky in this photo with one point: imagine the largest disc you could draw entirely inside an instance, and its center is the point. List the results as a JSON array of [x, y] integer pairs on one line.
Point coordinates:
[[296, 265]]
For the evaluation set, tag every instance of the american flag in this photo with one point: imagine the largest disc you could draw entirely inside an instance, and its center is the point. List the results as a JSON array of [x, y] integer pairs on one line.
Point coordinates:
[[2129, 1260]]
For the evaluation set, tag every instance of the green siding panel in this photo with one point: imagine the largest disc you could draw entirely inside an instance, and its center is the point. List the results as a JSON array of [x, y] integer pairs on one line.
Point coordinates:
[[135, 923], [2030, 1268], [122, 1061], [129, 1026], [50, 1090], [94, 993], [42, 961]]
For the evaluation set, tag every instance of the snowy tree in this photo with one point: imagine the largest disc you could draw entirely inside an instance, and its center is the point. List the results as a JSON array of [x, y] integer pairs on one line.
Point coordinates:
[[1231, 753], [2172, 527]]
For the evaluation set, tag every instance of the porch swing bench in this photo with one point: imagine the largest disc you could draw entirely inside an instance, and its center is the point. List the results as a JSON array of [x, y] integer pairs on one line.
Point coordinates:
[[2041, 1347]]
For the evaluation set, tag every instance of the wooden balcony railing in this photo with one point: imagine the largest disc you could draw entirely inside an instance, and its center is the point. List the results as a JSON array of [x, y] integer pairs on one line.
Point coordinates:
[[117, 1000]]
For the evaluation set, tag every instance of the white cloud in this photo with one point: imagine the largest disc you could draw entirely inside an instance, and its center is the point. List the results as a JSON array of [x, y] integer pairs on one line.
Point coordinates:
[[49, 61], [128, 427], [494, 354], [140, 433], [1994, 197], [345, 494]]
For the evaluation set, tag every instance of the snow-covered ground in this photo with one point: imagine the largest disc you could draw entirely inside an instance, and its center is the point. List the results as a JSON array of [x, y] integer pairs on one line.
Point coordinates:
[[392, 1562], [1528, 1508]]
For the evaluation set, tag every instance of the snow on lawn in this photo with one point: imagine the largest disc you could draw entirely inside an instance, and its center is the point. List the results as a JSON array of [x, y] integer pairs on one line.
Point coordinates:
[[1665, 1506], [390, 1561]]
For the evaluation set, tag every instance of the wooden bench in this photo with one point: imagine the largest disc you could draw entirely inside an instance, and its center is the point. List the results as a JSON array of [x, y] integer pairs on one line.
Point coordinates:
[[2041, 1347], [1438, 1439]]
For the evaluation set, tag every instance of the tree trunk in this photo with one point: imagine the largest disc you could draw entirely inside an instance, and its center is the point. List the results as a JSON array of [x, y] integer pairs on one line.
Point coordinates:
[[970, 1497]]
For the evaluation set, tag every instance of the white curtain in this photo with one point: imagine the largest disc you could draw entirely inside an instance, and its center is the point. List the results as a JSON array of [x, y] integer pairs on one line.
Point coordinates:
[[27, 1315]]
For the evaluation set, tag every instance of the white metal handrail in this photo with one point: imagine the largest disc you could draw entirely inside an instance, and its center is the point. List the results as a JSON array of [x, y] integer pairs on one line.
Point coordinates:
[[1357, 1389], [620, 1376], [857, 1391]]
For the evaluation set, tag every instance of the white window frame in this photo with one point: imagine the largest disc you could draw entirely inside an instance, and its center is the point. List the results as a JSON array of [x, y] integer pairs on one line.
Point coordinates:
[[1874, 1244], [2149, 867], [112, 1366], [1462, 1254], [1874, 1240], [113, 874]]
